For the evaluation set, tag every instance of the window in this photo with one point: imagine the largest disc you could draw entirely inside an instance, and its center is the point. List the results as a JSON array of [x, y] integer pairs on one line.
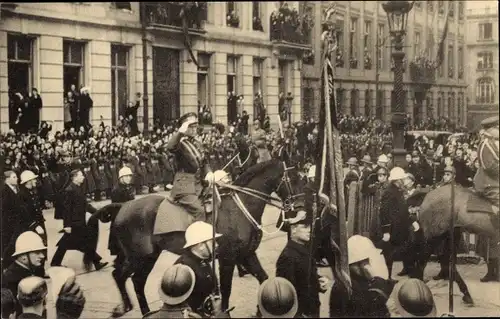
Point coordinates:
[[451, 62], [257, 81], [119, 81], [450, 106], [307, 102], [232, 18], [418, 4], [460, 62], [339, 95], [256, 17], [73, 64], [416, 43], [122, 5], [232, 88], [282, 76], [353, 44], [430, 42], [485, 92], [380, 46], [368, 102], [203, 81], [461, 10], [354, 102], [339, 34], [484, 60], [430, 6], [368, 33], [451, 9], [20, 67], [485, 31], [441, 7], [379, 113]]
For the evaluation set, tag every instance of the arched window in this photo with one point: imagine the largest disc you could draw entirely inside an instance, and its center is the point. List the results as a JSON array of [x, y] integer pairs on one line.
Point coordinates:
[[485, 90]]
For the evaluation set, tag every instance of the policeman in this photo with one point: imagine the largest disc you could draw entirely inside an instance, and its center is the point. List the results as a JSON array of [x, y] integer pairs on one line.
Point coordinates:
[[413, 298], [175, 287], [486, 179], [33, 218], [197, 256], [394, 217], [277, 298], [293, 265], [371, 180], [370, 287], [29, 257], [32, 293], [123, 192], [192, 166]]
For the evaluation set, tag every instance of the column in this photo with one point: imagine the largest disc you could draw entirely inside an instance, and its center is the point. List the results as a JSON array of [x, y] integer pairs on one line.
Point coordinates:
[[296, 91], [188, 85], [100, 80], [247, 81], [271, 98], [51, 80], [220, 112]]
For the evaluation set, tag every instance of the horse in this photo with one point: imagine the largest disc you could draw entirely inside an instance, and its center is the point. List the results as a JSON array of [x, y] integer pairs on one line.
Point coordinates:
[[134, 221], [471, 213]]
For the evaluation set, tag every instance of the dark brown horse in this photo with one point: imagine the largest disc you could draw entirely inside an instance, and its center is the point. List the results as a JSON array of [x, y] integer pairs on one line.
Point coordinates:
[[133, 223], [436, 212]]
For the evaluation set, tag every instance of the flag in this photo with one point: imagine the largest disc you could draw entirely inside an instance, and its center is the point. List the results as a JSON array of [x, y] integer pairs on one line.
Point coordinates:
[[441, 48], [330, 175]]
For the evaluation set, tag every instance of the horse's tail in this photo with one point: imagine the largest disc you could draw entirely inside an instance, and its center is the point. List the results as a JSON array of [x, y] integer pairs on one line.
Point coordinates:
[[107, 213]]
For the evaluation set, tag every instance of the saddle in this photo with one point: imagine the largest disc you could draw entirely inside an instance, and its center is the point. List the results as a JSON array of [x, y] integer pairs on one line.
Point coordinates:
[[478, 204], [171, 217]]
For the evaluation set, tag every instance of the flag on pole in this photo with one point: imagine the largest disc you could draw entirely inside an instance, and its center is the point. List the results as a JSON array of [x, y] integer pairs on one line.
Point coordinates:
[[441, 48], [330, 175]]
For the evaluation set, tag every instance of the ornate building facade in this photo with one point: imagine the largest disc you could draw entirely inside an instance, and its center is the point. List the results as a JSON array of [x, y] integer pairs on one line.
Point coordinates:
[[241, 49], [482, 54], [364, 78]]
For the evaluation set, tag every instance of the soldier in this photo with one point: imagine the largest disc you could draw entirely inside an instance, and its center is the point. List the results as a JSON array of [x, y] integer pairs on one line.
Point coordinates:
[[259, 139], [486, 179], [413, 298], [29, 257], [197, 256], [293, 265], [277, 298], [176, 286], [33, 219], [372, 179]]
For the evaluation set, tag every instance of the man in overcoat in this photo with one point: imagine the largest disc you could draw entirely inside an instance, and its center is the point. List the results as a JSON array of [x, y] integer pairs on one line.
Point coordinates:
[[77, 234]]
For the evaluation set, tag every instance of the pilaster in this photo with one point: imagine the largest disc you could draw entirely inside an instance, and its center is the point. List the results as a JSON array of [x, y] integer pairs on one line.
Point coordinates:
[[247, 80], [220, 112]]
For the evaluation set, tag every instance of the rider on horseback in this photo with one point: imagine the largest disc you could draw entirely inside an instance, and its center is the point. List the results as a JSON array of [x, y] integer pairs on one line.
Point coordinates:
[[486, 179], [192, 164]]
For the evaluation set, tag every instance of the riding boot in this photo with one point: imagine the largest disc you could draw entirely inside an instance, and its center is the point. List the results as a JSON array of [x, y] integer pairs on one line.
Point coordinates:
[[242, 272], [444, 273], [493, 271]]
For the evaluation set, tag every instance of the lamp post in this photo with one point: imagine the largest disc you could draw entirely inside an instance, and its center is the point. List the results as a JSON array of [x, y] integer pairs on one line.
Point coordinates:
[[397, 16], [289, 99]]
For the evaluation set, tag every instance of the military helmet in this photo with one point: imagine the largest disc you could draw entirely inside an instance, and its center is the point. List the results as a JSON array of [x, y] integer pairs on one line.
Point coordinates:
[[124, 171], [397, 173], [413, 298], [31, 291], [277, 298], [199, 232], [450, 169], [28, 242], [190, 117], [177, 284], [27, 176]]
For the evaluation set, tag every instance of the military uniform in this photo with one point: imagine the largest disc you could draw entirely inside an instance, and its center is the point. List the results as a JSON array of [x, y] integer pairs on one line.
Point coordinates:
[[259, 139], [486, 180], [167, 311], [192, 166]]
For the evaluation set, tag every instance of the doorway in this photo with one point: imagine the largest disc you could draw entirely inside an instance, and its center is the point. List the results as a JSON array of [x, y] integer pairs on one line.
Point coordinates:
[[166, 86]]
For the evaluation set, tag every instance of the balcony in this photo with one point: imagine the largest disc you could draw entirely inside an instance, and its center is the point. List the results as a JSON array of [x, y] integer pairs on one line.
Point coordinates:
[[167, 15], [289, 29]]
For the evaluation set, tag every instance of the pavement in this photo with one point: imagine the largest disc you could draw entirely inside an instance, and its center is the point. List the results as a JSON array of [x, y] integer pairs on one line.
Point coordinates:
[[102, 295]]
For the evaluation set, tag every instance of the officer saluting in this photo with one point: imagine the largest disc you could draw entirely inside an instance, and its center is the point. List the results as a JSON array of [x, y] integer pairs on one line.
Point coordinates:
[[192, 166]]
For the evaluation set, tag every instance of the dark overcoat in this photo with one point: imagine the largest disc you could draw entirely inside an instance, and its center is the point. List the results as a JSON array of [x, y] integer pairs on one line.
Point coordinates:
[[394, 216]]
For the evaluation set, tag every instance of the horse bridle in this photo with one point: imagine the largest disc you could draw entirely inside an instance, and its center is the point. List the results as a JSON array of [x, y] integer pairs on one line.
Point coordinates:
[[286, 181]]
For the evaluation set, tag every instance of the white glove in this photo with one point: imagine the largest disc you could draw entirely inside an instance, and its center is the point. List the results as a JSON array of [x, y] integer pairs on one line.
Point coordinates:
[[416, 226], [210, 177], [220, 175], [184, 127], [39, 230], [386, 237]]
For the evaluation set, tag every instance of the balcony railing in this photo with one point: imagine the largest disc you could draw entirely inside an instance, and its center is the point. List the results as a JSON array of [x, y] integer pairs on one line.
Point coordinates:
[[287, 33], [287, 25], [168, 14]]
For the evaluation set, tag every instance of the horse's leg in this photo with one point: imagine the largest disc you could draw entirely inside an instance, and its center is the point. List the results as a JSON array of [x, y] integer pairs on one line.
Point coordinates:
[[139, 279], [226, 269], [121, 273], [458, 279], [493, 264], [253, 265]]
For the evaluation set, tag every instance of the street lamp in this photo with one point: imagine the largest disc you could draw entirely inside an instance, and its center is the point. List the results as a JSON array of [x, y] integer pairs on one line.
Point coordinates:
[[289, 99], [397, 16]]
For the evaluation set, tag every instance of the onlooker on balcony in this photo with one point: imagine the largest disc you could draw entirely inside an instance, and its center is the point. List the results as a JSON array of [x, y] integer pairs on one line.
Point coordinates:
[[86, 103]]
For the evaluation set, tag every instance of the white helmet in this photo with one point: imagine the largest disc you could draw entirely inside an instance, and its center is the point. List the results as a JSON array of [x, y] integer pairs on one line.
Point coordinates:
[[124, 171], [27, 176], [312, 171], [383, 159], [28, 242], [199, 232], [360, 248], [397, 173]]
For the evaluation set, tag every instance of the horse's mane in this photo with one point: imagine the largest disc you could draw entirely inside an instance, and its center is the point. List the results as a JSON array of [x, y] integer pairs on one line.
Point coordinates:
[[252, 171]]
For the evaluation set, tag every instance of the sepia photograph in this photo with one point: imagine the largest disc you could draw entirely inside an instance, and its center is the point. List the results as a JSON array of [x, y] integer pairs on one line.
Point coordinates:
[[265, 159]]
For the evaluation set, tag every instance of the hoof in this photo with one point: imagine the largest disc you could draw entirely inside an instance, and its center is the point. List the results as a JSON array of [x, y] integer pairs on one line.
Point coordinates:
[[120, 310], [467, 299]]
